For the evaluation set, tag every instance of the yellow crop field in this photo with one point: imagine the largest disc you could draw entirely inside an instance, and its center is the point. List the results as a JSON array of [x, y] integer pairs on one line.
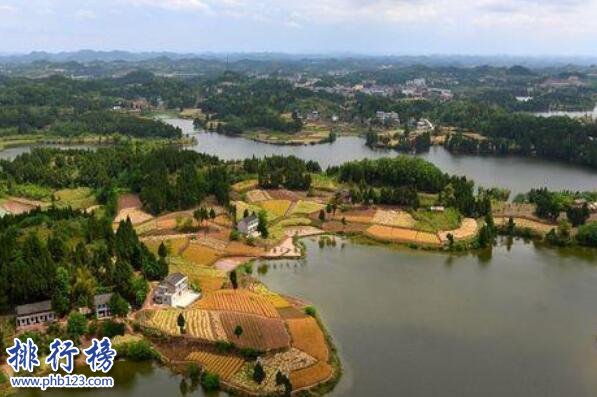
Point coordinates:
[[241, 206], [276, 299], [207, 278], [307, 207], [165, 321], [277, 208], [525, 223], [200, 254], [223, 365], [205, 325], [238, 301], [387, 233]]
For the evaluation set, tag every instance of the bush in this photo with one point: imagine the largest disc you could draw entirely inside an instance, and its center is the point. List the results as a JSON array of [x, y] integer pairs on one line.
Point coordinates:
[[111, 328], [210, 382], [311, 311], [587, 234], [137, 351]]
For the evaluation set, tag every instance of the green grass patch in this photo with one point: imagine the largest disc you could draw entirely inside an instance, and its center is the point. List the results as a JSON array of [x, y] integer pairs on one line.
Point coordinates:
[[79, 198], [30, 191], [306, 207], [323, 182], [277, 231], [433, 222]]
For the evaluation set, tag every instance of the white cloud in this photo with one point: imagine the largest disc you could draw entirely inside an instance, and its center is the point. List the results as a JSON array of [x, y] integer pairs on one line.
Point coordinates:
[[7, 8], [85, 14]]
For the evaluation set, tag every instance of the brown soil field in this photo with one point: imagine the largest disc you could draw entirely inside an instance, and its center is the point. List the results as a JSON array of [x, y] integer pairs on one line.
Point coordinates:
[[129, 200], [283, 194], [308, 337], [257, 195], [241, 301], [311, 375], [522, 223], [338, 227], [364, 215], [223, 365], [259, 333], [387, 233], [288, 313], [137, 216], [223, 220], [236, 248], [468, 229]]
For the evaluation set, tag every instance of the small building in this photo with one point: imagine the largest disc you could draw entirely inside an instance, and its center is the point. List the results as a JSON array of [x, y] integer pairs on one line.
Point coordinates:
[[248, 225], [437, 208], [387, 117], [34, 313], [174, 291], [101, 305]]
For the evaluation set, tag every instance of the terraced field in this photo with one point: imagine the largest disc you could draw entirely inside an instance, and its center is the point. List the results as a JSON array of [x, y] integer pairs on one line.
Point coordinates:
[[257, 195], [276, 299], [238, 301], [396, 218], [277, 208], [259, 333], [200, 324], [307, 207], [200, 254], [224, 366]]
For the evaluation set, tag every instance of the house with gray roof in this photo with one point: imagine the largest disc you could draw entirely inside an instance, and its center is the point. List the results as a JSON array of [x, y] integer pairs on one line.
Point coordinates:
[[34, 313], [174, 291], [101, 305], [248, 225]]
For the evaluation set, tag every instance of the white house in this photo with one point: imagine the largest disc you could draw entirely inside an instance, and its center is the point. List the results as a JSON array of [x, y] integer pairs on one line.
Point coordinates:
[[248, 225], [101, 305], [174, 291], [34, 313]]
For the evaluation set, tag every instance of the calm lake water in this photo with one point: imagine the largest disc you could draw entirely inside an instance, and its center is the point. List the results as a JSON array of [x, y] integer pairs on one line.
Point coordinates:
[[519, 174], [521, 323], [518, 323]]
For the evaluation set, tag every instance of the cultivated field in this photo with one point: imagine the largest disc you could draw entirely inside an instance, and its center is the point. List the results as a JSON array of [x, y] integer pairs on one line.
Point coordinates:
[[311, 375], [468, 229], [137, 216], [277, 208], [306, 207], [18, 206], [308, 337], [79, 198], [396, 218], [200, 324], [200, 254], [260, 333], [129, 200], [257, 195], [357, 215], [522, 223], [387, 233], [223, 365], [238, 301], [244, 186], [276, 299]]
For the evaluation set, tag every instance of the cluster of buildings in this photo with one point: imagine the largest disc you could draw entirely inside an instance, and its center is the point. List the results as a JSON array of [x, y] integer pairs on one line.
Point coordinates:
[[42, 312], [173, 291]]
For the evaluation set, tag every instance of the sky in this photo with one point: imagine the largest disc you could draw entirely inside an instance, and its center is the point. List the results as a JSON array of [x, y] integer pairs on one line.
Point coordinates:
[[376, 27]]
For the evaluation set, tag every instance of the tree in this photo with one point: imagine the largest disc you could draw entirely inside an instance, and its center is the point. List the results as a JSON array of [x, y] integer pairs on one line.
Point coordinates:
[[119, 307], [140, 288], [180, 321], [262, 225], [61, 295], [84, 287], [258, 373], [578, 215], [162, 250], [321, 215], [245, 213], [76, 325], [283, 380], [238, 331], [212, 214], [233, 279]]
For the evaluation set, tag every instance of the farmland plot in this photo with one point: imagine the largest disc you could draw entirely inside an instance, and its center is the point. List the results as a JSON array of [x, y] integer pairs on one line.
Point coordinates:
[[387, 233], [259, 333], [257, 195], [238, 301], [308, 337], [223, 365], [311, 375], [394, 218]]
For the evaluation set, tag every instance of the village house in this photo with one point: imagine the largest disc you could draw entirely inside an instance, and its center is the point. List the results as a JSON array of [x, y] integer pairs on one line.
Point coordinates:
[[248, 225], [101, 305], [34, 313], [387, 117], [174, 291]]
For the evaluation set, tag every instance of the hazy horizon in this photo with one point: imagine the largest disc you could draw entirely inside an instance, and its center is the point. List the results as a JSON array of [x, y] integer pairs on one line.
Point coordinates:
[[548, 28]]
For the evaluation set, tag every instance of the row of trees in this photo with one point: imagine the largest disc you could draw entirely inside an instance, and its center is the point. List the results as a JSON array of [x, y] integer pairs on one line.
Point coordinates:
[[82, 257]]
